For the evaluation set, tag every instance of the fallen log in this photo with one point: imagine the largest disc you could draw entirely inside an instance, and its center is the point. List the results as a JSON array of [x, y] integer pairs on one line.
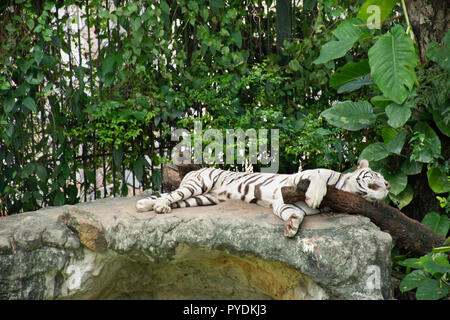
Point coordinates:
[[173, 174], [408, 233]]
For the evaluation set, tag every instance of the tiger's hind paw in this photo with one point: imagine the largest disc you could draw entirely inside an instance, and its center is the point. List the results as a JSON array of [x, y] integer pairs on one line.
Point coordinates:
[[292, 225]]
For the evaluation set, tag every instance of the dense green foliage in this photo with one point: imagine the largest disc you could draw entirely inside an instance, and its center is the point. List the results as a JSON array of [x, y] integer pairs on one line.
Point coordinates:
[[68, 112], [429, 275], [99, 85], [403, 108], [400, 106]]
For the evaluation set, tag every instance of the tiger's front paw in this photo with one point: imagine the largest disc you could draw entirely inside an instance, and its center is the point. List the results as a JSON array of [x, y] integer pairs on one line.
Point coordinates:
[[145, 205], [314, 195], [162, 205], [291, 226]]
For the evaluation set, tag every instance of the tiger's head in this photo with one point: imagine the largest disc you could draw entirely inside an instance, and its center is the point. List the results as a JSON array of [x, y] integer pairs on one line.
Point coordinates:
[[366, 182]]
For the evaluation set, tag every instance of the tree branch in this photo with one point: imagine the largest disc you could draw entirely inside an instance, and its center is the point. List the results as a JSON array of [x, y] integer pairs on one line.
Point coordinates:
[[408, 233]]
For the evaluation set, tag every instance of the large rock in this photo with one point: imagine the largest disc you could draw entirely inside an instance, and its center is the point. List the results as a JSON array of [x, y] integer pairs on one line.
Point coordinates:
[[234, 250]]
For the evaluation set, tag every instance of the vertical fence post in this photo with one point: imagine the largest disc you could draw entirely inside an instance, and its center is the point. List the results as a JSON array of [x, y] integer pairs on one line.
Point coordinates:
[[284, 26], [92, 96]]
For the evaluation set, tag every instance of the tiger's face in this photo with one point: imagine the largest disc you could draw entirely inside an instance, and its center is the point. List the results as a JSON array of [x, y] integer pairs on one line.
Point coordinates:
[[367, 183]]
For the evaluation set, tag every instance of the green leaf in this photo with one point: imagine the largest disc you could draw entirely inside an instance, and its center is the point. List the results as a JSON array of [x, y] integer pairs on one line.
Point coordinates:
[[108, 64], [34, 78], [398, 182], [439, 120], [384, 7], [118, 156], [395, 145], [437, 180], [237, 38], [138, 168], [204, 13], [165, 7], [392, 61], [9, 129], [413, 280], [28, 170], [156, 179], [432, 144], [440, 54], [411, 167], [41, 172], [38, 54], [333, 50], [8, 104], [347, 34], [380, 101], [398, 114], [350, 72], [59, 198], [434, 267], [356, 84], [441, 249], [139, 115], [323, 132], [437, 223], [29, 104], [411, 263], [388, 134], [374, 152], [217, 4], [430, 289], [402, 199], [350, 115], [294, 65]]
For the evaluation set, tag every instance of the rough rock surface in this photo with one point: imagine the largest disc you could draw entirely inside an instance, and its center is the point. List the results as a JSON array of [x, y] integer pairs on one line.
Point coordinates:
[[234, 250]]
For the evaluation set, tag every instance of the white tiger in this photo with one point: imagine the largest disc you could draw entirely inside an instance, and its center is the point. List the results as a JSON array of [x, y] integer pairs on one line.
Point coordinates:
[[209, 186]]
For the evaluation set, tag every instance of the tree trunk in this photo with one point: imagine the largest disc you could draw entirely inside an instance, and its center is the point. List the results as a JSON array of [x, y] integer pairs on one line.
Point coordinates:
[[424, 200], [430, 20]]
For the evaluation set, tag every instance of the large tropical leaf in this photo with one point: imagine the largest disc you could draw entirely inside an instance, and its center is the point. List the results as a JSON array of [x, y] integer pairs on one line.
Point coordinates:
[[431, 289], [392, 60], [356, 84], [438, 180], [402, 199], [395, 145], [350, 115], [350, 72], [437, 223], [431, 145], [413, 280], [440, 53], [398, 114], [374, 152], [347, 34], [398, 182], [441, 116]]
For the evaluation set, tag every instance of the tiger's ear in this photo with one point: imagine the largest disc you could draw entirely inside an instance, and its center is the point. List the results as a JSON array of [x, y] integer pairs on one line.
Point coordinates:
[[363, 164]]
